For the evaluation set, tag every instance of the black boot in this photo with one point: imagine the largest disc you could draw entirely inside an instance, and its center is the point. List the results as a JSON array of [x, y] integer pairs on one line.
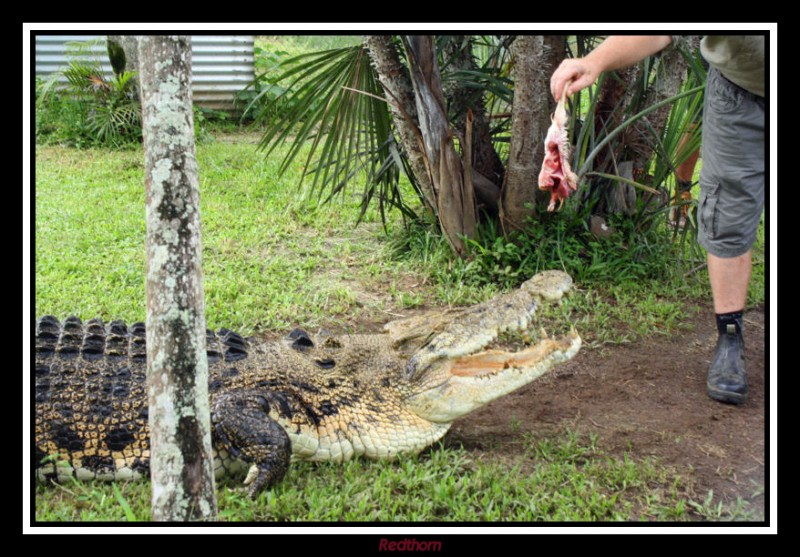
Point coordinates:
[[727, 378]]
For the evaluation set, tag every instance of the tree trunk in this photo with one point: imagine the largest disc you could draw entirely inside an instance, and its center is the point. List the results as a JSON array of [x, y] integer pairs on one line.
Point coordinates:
[[486, 164], [130, 46], [613, 98], [455, 198], [535, 58], [131, 49], [670, 72], [396, 84], [181, 467], [611, 102], [671, 69]]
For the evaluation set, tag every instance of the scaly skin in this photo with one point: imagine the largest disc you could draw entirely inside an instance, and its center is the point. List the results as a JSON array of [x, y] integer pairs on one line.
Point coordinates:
[[300, 398]]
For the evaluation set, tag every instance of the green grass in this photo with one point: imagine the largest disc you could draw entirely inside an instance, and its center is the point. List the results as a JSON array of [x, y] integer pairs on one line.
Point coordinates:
[[294, 45], [566, 479], [271, 260]]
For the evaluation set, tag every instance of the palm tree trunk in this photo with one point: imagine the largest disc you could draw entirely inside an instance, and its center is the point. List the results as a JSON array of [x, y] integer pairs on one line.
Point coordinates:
[[181, 467], [614, 96], [396, 84], [129, 46], [486, 163], [670, 74], [455, 198], [535, 58]]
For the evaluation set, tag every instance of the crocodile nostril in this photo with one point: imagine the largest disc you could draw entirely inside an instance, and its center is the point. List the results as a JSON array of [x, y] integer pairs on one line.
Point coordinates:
[[326, 363]]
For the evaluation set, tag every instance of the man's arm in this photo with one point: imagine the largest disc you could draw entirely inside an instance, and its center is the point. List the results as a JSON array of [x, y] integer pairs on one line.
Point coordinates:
[[618, 51]]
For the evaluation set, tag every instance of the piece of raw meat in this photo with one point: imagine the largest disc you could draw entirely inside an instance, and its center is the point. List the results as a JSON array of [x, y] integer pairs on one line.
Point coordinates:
[[556, 174]]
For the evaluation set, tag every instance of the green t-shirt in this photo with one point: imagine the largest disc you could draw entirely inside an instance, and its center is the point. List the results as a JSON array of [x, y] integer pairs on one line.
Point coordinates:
[[740, 58]]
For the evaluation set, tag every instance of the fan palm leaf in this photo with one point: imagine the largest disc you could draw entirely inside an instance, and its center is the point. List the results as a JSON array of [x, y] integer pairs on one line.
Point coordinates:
[[334, 103]]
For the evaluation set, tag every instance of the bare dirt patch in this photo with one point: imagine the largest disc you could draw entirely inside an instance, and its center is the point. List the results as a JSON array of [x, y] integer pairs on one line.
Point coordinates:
[[647, 399]]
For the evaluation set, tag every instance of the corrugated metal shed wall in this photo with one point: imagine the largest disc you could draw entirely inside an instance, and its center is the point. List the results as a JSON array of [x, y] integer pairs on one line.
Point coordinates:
[[222, 65]]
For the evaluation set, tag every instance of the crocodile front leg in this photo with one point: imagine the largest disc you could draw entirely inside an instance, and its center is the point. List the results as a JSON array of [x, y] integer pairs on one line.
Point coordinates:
[[242, 426]]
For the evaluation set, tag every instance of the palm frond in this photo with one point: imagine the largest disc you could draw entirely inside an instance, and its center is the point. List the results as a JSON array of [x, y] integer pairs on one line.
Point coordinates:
[[124, 82], [491, 79], [619, 129], [82, 76], [112, 124], [486, 80], [335, 103], [46, 88], [624, 180]]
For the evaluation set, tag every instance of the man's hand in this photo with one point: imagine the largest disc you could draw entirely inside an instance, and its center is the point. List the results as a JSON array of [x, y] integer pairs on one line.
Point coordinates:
[[619, 51], [580, 71]]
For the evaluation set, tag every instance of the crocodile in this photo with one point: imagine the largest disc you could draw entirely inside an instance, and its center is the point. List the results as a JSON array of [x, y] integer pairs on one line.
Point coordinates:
[[303, 397]]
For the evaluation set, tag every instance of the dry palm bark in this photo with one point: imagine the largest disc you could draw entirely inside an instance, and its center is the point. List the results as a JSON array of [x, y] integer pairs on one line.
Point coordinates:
[[455, 198], [487, 168]]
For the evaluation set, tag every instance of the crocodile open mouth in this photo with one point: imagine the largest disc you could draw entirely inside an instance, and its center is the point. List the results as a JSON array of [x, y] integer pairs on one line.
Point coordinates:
[[491, 362], [477, 379]]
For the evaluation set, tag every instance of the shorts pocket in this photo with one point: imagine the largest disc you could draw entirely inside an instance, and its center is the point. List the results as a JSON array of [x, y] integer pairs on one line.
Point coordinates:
[[707, 213], [723, 96]]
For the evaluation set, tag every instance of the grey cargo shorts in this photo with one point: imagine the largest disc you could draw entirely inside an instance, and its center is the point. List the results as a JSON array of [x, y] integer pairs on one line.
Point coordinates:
[[732, 176]]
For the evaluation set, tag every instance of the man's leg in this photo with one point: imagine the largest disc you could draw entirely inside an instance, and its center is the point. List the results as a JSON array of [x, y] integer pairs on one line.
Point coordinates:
[[730, 277], [729, 210]]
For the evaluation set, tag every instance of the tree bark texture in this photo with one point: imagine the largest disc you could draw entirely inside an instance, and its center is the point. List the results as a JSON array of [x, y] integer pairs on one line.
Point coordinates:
[[535, 58], [611, 102], [613, 98], [455, 198], [617, 96], [131, 48], [181, 467], [670, 72], [485, 160], [397, 87]]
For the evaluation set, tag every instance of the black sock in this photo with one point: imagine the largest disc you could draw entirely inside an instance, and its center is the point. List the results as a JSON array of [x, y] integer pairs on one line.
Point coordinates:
[[732, 318]]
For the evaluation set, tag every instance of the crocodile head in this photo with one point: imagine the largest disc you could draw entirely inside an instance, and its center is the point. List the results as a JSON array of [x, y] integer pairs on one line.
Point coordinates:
[[450, 369]]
